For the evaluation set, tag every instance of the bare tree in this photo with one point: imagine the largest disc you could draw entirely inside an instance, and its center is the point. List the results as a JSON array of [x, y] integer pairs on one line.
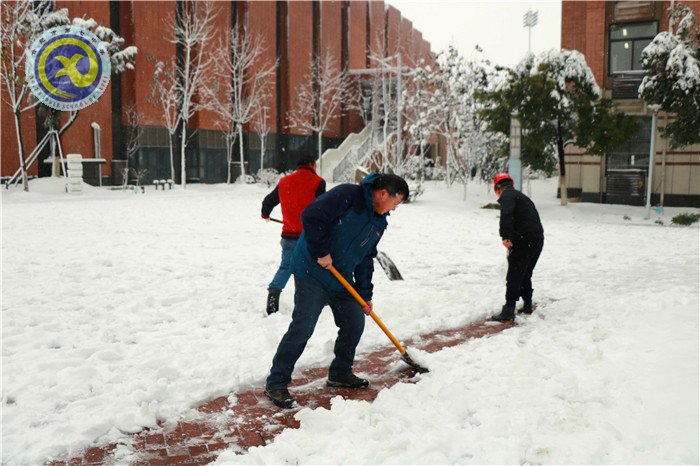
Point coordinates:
[[261, 126], [164, 94], [319, 97], [22, 21], [245, 81], [192, 28], [134, 132]]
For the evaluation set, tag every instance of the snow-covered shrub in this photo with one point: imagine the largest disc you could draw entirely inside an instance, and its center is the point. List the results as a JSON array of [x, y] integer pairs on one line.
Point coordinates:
[[268, 176]]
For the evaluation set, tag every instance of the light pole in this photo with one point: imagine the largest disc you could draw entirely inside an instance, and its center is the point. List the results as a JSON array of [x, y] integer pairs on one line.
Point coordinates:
[[515, 168], [398, 71], [652, 148], [529, 21]]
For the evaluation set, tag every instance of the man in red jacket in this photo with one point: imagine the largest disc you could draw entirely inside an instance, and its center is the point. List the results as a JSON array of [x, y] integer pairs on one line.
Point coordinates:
[[294, 192]]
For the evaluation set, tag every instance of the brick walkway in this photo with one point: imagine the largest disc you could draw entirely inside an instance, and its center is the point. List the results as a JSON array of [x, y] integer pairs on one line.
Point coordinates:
[[247, 418]]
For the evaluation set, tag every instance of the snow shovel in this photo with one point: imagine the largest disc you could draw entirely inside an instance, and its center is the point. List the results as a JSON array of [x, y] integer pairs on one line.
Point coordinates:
[[404, 355], [385, 261]]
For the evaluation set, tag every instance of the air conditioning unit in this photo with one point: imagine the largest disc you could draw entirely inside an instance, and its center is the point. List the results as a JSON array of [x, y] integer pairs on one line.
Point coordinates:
[[626, 85]]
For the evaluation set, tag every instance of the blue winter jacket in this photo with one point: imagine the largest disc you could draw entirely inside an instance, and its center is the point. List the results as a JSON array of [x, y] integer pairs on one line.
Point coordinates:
[[341, 222]]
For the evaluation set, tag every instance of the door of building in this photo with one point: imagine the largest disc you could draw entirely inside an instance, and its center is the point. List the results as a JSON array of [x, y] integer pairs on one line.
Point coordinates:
[[626, 168]]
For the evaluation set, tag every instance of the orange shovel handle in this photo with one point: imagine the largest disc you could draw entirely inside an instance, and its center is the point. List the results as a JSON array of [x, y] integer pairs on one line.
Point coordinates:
[[362, 302]]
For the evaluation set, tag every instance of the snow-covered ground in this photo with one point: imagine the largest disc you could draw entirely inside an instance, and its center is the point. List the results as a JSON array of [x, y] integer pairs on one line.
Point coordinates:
[[120, 309]]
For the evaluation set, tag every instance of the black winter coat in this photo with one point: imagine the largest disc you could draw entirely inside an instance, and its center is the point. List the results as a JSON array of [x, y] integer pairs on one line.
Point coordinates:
[[519, 217]]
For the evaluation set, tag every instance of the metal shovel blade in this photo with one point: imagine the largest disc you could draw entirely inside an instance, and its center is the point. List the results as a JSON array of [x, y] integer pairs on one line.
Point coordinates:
[[407, 359], [389, 267]]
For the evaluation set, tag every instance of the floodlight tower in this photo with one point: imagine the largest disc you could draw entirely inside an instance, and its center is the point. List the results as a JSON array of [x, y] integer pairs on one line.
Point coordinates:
[[529, 21]]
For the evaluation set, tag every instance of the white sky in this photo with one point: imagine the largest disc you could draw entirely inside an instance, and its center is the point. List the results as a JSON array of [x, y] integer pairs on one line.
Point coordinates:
[[497, 26]]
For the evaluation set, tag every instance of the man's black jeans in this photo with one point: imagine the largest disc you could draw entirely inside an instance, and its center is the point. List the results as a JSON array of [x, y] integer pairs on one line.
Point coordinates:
[[522, 259]]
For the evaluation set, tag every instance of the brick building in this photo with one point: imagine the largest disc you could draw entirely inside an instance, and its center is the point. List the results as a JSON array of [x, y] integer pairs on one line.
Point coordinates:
[[612, 36], [293, 32]]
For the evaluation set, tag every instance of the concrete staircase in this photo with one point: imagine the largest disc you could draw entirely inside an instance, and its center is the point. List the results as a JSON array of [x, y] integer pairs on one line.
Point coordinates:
[[332, 158]]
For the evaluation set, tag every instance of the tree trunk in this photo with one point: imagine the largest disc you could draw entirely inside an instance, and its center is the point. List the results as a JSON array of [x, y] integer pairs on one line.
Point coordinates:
[[55, 163], [172, 157], [563, 191], [262, 152], [320, 162], [183, 146], [229, 158], [20, 151], [240, 147]]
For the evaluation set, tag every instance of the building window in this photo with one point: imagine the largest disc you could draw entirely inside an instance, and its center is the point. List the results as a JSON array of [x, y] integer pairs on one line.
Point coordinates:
[[634, 154], [626, 44]]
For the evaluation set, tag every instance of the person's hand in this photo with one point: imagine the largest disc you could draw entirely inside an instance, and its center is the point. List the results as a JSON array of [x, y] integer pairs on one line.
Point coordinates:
[[507, 243], [325, 261], [368, 308], [267, 219]]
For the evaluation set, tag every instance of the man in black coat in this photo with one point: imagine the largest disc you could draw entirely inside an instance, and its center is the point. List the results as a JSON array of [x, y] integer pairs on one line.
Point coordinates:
[[522, 233]]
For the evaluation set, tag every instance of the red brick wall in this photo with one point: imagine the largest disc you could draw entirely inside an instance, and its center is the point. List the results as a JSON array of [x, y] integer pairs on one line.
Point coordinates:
[[406, 42], [208, 119], [426, 53], [78, 139], [417, 47], [147, 23], [393, 25], [377, 18], [299, 48], [262, 20], [583, 29], [357, 40], [331, 41], [358, 14], [9, 159]]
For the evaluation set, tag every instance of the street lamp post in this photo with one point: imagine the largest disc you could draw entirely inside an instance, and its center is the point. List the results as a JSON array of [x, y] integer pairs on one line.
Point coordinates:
[[529, 21], [515, 168], [652, 148], [398, 71]]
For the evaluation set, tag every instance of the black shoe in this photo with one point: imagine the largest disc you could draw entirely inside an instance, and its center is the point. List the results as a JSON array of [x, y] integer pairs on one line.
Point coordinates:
[[527, 309], [280, 397], [507, 314], [273, 301], [349, 381]]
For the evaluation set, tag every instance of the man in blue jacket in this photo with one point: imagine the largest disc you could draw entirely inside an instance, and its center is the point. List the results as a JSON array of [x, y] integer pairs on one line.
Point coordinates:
[[341, 228]]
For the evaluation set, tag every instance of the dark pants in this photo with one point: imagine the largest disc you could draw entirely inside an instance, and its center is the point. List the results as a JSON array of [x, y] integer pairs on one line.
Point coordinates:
[[521, 262], [309, 300]]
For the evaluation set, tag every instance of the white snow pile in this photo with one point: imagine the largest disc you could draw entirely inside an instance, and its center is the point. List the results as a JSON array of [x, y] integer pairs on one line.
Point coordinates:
[[121, 309]]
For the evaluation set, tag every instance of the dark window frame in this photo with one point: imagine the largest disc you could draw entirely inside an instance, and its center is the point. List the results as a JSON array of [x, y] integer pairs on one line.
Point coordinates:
[[632, 40]]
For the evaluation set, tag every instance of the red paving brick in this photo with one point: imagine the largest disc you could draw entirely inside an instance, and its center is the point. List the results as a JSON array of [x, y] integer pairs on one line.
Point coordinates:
[[254, 421]]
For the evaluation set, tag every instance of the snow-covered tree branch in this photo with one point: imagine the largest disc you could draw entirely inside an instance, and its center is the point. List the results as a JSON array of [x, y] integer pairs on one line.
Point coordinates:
[[192, 28], [319, 97], [164, 95], [672, 81], [244, 79], [558, 103]]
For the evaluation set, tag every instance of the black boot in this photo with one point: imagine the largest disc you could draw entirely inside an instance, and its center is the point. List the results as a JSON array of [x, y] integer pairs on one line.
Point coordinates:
[[507, 314], [273, 301], [349, 381], [528, 308], [280, 397]]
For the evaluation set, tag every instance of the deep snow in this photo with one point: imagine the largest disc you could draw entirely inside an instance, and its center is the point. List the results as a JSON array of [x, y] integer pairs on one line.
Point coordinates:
[[120, 309]]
